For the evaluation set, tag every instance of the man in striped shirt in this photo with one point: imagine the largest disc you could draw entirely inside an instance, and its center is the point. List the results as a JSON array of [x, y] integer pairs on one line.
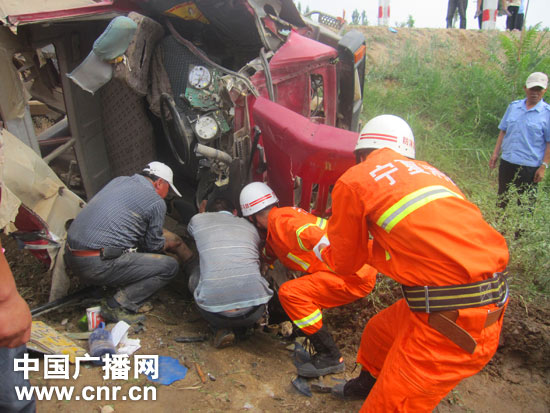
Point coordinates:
[[118, 240], [227, 285]]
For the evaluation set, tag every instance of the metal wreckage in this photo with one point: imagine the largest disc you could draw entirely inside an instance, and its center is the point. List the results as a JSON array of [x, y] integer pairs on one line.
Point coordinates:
[[225, 92]]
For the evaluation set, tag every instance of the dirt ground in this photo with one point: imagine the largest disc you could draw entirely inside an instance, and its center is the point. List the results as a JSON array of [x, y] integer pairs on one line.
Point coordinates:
[[255, 375]]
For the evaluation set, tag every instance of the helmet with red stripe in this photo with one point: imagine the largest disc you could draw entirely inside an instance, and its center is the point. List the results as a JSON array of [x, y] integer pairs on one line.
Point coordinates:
[[255, 197], [387, 131]]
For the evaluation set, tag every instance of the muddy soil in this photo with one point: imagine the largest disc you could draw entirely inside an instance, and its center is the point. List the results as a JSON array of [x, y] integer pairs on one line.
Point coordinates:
[[255, 375]]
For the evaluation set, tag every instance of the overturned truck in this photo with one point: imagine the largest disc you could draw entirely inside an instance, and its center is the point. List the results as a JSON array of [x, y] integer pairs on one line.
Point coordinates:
[[225, 92]]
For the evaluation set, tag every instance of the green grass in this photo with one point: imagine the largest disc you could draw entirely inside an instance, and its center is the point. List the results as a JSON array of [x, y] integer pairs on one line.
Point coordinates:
[[454, 108]]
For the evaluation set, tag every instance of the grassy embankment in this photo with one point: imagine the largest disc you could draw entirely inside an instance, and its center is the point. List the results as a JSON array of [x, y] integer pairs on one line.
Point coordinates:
[[454, 108]]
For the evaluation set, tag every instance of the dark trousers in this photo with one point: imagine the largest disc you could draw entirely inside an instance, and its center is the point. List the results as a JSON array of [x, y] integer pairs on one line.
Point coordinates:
[[221, 321], [452, 6], [9, 402], [519, 21], [480, 17], [137, 275], [520, 176], [512, 20], [218, 321]]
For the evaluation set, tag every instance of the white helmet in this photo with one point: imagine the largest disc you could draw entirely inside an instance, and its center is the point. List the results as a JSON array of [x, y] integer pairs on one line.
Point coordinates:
[[387, 131], [255, 197]]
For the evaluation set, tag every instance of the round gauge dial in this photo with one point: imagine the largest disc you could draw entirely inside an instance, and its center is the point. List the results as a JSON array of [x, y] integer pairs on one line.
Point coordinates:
[[206, 127], [200, 77]]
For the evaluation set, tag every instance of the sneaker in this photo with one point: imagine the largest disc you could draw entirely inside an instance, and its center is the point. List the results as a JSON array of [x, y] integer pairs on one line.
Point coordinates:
[[114, 315], [322, 364], [224, 338]]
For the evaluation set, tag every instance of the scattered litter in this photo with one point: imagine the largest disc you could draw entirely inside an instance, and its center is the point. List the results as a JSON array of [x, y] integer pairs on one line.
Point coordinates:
[[83, 323], [64, 321], [248, 406], [169, 371], [79, 336], [93, 315], [211, 377], [128, 346], [302, 386], [118, 331], [101, 343], [190, 339], [107, 409], [272, 328], [200, 373], [120, 338], [391, 29], [286, 329], [44, 339], [188, 388]]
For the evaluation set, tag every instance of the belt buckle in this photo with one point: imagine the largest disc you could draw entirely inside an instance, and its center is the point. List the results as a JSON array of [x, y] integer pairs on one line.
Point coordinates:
[[506, 294], [427, 299]]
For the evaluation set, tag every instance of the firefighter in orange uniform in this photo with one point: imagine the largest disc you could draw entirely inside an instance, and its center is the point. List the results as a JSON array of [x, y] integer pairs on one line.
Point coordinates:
[[429, 238], [291, 235]]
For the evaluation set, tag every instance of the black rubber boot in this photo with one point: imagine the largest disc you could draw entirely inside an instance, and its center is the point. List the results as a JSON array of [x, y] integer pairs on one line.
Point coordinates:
[[326, 360], [355, 389]]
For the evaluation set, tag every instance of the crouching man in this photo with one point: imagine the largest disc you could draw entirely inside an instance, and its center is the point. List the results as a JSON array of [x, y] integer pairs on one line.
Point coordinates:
[[227, 285], [117, 240], [291, 235]]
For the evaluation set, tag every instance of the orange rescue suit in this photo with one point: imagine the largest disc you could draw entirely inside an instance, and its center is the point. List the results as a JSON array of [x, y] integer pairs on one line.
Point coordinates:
[[425, 233], [291, 235]]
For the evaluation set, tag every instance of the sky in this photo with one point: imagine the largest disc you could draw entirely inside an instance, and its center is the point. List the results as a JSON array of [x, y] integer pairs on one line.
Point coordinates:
[[426, 13]]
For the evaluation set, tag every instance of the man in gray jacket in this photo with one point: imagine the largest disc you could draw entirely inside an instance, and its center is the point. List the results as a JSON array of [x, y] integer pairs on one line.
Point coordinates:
[[227, 285]]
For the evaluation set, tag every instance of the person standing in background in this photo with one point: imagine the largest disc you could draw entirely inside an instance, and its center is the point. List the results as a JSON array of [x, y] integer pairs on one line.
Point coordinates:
[[451, 8], [512, 8], [524, 139], [520, 17]]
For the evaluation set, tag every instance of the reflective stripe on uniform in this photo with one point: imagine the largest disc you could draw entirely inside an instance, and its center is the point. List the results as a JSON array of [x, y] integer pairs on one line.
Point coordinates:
[[311, 319], [304, 265], [411, 203], [321, 223]]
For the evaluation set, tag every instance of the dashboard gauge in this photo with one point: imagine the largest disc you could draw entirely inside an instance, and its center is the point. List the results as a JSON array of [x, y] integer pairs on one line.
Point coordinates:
[[199, 77], [206, 127]]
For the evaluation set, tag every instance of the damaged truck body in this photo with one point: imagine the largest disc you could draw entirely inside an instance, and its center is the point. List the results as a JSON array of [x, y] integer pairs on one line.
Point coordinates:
[[225, 92]]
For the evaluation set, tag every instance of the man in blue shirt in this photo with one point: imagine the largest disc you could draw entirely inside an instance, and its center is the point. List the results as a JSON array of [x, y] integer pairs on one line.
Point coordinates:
[[524, 140], [118, 240]]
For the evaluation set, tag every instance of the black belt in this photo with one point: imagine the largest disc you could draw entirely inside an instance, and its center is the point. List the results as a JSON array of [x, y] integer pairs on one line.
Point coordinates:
[[455, 297]]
